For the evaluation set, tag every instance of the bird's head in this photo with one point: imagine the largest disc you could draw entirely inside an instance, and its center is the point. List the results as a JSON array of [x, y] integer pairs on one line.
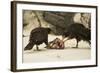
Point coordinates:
[[64, 35], [49, 30]]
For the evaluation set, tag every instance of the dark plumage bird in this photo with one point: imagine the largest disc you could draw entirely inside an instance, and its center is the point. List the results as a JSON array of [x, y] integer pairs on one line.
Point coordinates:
[[79, 32], [38, 36]]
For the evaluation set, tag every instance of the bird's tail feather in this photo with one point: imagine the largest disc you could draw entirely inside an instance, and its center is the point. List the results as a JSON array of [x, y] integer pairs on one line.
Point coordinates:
[[29, 46]]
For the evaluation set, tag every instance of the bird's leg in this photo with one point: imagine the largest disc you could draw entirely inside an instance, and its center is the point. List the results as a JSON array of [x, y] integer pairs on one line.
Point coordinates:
[[46, 43], [37, 48], [77, 43]]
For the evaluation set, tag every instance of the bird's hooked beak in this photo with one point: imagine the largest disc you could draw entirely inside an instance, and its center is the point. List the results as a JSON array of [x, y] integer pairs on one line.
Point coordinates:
[[63, 37]]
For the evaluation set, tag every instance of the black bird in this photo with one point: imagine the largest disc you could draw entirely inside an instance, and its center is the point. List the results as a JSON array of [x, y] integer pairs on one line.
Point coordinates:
[[38, 36], [79, 32]]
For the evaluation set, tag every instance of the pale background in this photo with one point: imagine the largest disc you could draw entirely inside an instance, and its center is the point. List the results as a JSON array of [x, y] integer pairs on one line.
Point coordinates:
[[5, 37]]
